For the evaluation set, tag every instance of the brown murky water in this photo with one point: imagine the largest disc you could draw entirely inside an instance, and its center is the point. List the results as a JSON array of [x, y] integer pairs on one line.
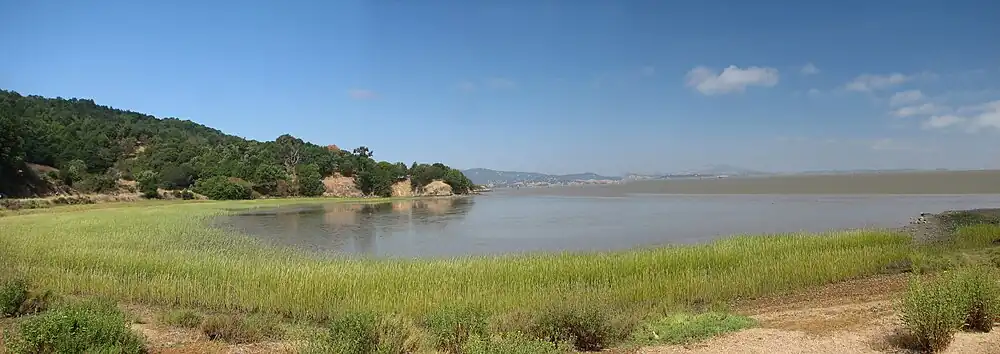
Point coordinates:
[[503, 223]]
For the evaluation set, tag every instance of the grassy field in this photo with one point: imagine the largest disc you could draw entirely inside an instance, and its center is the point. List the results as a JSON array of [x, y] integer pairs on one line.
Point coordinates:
[[163, 254]]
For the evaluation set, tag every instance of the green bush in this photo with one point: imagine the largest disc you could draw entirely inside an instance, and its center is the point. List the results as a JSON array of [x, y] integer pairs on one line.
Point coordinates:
[[223, 188], [89, 327], [932, 312], [687, 328], [97, 183], [512, 343], [364, 333], [453, 326], [310, 181], [979, 294], [588, 325], [242, 329], [13, 293], [148, 181]]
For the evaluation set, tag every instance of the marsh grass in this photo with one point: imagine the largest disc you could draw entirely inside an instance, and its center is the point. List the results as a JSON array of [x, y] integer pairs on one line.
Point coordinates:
[[970, 245], [164, 254], [684, 328]]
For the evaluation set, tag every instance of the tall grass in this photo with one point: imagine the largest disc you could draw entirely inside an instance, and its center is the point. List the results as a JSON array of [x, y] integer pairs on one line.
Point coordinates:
[[164, 254]]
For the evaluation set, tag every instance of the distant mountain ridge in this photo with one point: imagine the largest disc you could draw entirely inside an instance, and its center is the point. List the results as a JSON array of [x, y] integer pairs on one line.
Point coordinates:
[[485, 176]]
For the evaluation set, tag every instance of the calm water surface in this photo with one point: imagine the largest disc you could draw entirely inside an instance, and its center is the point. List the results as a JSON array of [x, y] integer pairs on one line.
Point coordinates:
[[500, 224]]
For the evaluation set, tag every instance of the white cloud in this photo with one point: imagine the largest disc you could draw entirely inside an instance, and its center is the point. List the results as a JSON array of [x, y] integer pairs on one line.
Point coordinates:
[[814, 92], [925, 109], [906, 97], [938, 122], [731, 79], [977, 118], [868, 83], [809, 69]]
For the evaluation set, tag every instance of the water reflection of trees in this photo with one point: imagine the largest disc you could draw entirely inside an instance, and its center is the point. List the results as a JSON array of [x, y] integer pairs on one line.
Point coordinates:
[[364, 223]]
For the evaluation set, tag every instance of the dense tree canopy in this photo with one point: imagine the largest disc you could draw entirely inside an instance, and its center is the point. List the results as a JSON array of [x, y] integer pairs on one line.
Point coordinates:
[[93, 144]]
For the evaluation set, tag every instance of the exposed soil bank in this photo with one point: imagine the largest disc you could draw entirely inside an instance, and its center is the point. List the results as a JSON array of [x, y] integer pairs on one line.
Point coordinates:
[[857, 316]]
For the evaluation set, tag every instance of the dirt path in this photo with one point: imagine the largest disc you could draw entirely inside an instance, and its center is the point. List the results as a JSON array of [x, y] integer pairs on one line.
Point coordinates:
[[851, 317]]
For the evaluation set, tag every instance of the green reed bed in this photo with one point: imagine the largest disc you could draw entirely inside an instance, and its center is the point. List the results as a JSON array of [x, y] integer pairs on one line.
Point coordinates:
[[166, 255]]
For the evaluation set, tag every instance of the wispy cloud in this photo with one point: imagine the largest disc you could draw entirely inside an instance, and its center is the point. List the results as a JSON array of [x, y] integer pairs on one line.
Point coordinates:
[[868, 83], [939, 122], [925, 109], [972, 119], [906, 97], [361, 94], [731, 79], [809, 69]]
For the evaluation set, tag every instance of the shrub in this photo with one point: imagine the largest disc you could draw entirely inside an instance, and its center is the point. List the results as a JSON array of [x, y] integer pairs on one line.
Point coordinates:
[[310, 181], [241, 329], [512, 343], [932, 312], [979, 294], [363, 333], [222, 188], [90, 327], [585, 324], [686, 328], [13, 293], [183, 318], [97, 183], [148, 182], [453, 326]]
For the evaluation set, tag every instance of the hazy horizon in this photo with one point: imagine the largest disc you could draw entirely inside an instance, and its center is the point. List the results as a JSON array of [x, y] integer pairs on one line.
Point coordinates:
[[582, 86]]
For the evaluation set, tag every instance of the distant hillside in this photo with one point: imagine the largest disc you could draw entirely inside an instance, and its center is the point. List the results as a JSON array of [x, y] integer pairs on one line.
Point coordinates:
[[93, 147], [483, 176], [707, 171]]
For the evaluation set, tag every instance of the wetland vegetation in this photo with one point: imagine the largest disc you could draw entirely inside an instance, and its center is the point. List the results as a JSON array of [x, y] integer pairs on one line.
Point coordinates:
[[164, 255]]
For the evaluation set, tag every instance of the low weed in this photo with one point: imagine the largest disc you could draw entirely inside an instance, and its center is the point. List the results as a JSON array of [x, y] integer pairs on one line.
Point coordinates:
[[17, 300], [512, 343], [586, 324], [686, 328], [979, 294], [242, 329], [365, 333], [13, 293], [932, 312], [453, 326], [182, 318], [85, 327]]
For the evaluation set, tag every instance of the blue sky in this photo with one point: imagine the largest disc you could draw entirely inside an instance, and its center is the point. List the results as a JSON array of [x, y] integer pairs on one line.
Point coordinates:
[[547, 86]]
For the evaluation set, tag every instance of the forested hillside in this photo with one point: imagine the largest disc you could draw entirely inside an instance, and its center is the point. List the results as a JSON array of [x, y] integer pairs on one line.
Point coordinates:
[[93, 147]]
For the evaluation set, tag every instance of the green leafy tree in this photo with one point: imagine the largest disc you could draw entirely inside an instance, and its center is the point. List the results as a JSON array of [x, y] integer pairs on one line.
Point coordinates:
[[223, 188], [458, 182], [74, 171], [375, 181], [310, 183], [148, 181]]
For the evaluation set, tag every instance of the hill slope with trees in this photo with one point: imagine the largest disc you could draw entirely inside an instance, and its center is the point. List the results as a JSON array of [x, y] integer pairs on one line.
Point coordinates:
[[92, 147]]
